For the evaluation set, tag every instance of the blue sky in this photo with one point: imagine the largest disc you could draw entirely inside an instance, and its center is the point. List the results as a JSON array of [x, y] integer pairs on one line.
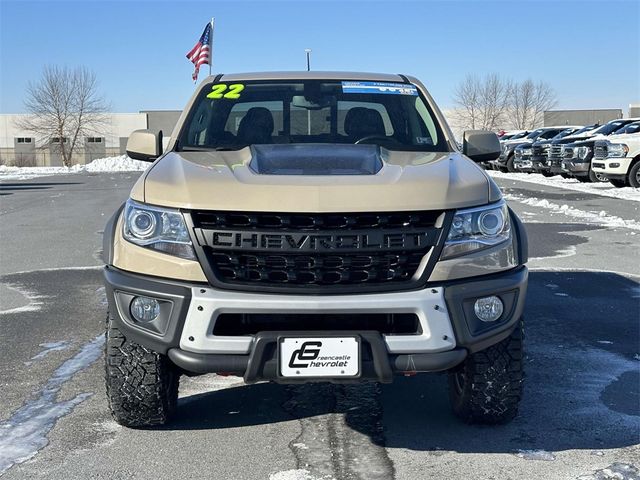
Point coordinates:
[[589, 51]]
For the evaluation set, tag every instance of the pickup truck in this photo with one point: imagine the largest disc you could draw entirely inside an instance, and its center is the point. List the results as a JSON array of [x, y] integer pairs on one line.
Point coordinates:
[[571, 155], [505, 161], [618, 157], [306, 227], [529, 157], [540, 150]]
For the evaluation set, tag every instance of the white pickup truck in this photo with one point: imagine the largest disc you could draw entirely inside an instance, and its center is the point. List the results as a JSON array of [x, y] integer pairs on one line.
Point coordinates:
[[618, 158]]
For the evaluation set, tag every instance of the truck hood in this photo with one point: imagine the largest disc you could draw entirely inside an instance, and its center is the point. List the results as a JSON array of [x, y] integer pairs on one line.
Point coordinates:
[[517, 142], [228, 180], [622, 137]]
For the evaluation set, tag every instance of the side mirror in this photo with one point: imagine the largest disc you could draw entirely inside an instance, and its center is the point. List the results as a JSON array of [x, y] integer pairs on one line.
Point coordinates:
[[144, 145], [480, 145]]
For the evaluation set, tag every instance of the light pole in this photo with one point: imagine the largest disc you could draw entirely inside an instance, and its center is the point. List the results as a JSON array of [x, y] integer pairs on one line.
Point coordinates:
[[308, 52]]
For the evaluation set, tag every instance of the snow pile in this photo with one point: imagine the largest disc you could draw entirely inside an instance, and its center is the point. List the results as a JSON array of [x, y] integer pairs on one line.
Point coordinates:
[[599, 218], [604, 188], [115, 164], [109, 164], [536, 455]]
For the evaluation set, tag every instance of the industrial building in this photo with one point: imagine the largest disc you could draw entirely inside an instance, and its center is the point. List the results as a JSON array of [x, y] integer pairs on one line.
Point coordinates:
[[588, 117], [21, 148]]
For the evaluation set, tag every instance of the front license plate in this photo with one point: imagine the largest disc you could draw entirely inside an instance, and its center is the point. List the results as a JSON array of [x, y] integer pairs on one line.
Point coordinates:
[[319, 357]]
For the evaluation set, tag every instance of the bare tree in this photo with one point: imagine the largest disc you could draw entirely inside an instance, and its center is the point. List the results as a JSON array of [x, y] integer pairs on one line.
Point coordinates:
[[64, 107], [482, 103], [529, 101], [467, 99]]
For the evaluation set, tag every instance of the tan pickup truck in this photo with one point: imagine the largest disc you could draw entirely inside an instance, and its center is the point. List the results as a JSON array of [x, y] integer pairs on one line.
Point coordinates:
[[314, 227]]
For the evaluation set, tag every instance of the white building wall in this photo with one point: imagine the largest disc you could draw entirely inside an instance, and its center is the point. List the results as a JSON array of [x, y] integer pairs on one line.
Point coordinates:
[[117, 125], [121, 125], [9, 131]]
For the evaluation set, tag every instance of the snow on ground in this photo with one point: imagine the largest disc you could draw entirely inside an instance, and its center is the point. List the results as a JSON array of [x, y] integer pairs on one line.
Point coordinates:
[[51, 347], [536, 455], [24, 433], [300, 474], [598, 218], [109, 164], [604, 189]]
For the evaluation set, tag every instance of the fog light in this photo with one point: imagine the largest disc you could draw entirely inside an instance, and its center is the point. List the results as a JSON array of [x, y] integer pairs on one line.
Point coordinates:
[[145, 309], [614, 165], [488, 309]]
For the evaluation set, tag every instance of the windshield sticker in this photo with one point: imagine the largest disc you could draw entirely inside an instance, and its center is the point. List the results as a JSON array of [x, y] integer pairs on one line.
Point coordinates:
[[379, 87], [218, 91], [424, 141]]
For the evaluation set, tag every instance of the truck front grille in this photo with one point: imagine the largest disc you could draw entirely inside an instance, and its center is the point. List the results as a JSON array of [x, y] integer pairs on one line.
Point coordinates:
[[540, 152], [600, 151], [318, 251], [555, 152]]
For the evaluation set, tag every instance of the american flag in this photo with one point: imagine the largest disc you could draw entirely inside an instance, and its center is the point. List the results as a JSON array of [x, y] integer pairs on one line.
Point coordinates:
[[201, 53]]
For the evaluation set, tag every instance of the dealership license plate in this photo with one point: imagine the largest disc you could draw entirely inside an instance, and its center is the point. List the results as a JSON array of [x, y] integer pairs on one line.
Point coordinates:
[[319, 357]]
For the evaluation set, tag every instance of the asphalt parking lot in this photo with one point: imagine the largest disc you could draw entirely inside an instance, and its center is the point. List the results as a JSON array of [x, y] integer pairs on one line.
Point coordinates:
[[580, 417]]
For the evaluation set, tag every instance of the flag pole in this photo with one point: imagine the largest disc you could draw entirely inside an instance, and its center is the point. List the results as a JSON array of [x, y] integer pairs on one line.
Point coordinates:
[[211, 46]]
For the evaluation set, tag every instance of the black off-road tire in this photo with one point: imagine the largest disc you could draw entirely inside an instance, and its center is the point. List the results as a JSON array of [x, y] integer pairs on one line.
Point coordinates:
[[548, 174], [142, 385], [487, 387], [511, 168], [634, 175]]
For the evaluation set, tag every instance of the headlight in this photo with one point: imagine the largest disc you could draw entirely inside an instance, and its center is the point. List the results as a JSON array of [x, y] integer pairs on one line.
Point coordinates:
[[567, 152], [582, 152], [157, 228], [476, 229], [617, 150]]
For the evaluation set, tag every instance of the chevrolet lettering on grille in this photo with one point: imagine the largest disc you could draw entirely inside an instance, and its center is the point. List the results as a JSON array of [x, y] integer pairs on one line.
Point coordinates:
[[377, 240]]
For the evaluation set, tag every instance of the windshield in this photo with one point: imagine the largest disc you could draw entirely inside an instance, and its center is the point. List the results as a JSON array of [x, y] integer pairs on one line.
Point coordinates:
[[518, 135], [549, 133], [631, 128], [607, 128], [564, 133], [535, 133], [585, 129], [235, 115]]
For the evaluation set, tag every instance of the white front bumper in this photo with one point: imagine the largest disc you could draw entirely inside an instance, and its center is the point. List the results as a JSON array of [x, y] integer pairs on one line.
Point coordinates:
[[208, 303], [621, 169]]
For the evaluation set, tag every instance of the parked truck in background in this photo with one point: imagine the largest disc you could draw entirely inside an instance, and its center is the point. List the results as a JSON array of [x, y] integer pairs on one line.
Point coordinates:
[[524, 154], [505, 162], [572, 155], [618, 157]]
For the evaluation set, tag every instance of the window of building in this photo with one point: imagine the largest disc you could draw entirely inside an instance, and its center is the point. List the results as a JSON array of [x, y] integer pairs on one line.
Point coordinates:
[[94, 140], [57, 140], [23, 140]]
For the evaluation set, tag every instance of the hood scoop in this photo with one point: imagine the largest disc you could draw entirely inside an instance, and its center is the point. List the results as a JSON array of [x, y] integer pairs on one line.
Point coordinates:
[[315, 159]]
